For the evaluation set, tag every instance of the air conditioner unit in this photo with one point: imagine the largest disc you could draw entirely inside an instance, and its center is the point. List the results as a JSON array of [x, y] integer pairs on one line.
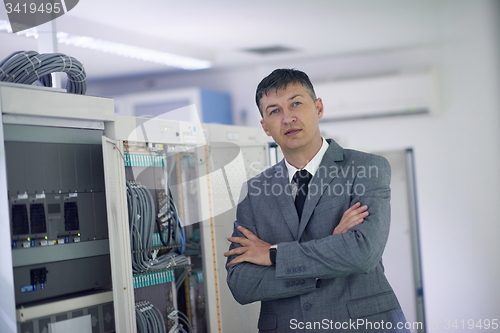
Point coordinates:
[[383, 96]]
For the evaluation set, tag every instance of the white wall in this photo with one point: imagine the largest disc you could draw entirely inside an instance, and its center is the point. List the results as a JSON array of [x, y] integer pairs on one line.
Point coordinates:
[[457, 161], [457, 150]]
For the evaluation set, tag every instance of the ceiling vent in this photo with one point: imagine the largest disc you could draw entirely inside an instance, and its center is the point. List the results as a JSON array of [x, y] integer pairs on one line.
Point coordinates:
[[269, 50]]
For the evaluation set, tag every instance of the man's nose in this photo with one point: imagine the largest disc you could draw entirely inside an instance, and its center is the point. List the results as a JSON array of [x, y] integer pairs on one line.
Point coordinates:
[[288, 116]]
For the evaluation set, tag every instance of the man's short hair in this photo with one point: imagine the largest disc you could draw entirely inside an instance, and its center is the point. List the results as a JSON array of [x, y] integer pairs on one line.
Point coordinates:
[[280, 79]]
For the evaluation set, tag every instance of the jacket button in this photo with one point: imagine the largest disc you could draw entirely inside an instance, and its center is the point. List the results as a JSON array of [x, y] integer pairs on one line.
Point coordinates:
[[287, 284], [307, 306], [287, 271]]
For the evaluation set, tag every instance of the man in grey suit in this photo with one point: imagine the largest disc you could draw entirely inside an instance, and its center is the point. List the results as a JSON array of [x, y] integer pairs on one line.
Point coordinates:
[[311, 230]]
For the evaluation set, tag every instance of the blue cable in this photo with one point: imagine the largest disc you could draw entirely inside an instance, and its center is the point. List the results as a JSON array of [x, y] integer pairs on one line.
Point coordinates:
[[182, 236]]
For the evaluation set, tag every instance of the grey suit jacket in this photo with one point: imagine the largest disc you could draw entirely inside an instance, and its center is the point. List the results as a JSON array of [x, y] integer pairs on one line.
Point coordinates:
[[321, 282]]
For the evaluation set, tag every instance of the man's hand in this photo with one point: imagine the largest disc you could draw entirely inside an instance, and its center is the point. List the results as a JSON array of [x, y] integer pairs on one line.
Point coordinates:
[[252, 249], [256, 251], [353, 216]]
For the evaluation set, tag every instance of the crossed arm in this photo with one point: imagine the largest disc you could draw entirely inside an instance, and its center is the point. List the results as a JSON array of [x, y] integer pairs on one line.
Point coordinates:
[[255, 279], [256, 251]]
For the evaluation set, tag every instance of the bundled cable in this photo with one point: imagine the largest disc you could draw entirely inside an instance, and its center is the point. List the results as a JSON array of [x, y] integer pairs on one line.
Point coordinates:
[[142, 221], [149, 318], [168, 217], [182, 320], [26, 67]]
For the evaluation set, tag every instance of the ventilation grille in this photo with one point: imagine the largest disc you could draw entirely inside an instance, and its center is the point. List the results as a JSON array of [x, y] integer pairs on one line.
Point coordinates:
[[37, 216], [71, 216], [270, 50], [20, 223]]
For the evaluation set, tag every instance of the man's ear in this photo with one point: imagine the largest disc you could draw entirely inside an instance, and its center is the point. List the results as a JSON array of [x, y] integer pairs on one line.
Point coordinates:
[[319, 107], [264, 127]]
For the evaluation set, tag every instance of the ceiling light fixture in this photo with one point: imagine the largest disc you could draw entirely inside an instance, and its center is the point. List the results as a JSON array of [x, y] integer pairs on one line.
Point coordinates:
[[129, 51]]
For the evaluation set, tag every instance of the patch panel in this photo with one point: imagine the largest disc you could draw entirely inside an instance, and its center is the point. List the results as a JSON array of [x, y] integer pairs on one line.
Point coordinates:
[[144, 160], [154, 278]]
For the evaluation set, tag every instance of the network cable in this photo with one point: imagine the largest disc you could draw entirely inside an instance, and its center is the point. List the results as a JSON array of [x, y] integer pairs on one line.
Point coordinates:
[[142, 222], [27, 67], [168, 217], [177, 315], [149, 318]]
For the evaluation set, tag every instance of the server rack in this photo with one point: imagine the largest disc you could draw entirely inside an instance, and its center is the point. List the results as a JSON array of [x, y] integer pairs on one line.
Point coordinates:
[[55, 255], [65, 162], [168, 160]]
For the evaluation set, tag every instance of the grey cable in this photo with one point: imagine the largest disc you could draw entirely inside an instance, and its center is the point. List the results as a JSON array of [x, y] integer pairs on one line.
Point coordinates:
[[183, 318], [149, 318], [142, 223], [27, 67]]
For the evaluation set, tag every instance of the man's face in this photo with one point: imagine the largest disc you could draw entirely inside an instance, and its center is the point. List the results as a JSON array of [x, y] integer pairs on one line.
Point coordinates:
[[291, 117]]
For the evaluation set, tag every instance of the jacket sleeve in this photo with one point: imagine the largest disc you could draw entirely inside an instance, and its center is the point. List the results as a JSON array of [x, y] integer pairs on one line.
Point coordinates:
[[249, 282], [355, 252]]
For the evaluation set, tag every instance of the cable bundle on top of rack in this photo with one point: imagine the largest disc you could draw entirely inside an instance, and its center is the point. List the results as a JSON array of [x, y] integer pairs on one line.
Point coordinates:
[[27, 67], [142, 221]]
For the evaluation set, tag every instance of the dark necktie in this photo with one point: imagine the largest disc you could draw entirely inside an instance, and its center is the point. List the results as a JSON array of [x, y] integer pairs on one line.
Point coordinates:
[[301, 178]]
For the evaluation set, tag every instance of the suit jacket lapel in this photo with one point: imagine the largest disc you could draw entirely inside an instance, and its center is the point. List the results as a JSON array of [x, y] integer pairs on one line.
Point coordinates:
[[320, 182], [285, 200]]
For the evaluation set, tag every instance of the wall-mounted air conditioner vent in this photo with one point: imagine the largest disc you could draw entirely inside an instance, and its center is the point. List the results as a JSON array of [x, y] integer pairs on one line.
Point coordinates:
[[378, 96]]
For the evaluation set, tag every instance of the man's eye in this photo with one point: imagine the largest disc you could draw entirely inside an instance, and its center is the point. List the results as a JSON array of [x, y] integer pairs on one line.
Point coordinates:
[[296, 103], [273, 111]]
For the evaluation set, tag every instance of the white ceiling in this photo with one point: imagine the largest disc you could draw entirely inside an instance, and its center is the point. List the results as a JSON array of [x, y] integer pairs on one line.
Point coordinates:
[[220, 30]]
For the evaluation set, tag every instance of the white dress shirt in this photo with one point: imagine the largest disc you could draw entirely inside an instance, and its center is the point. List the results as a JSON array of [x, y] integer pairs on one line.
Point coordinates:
[[312, 166]]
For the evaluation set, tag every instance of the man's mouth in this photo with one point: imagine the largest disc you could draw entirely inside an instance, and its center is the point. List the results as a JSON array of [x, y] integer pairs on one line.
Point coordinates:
[[292, 131]]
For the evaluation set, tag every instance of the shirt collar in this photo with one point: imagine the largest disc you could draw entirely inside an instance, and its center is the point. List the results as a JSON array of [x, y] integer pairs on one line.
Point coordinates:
[[312, 166]]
